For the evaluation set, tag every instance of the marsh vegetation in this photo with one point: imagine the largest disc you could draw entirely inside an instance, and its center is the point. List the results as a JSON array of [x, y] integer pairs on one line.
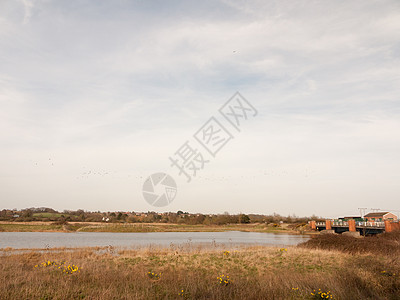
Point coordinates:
[[308, 271]]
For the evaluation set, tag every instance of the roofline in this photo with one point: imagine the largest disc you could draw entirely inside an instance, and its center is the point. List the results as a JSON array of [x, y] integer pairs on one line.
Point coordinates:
[[380, 213]]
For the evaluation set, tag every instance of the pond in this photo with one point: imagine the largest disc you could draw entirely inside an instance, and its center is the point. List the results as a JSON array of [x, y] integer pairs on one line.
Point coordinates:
[[19, 240]]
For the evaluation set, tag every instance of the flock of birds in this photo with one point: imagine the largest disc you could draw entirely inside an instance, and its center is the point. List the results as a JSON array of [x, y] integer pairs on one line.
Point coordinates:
[[103, 173]]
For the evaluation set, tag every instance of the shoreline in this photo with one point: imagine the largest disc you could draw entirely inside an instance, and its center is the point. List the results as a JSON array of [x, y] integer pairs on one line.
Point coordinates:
[[39, 226]]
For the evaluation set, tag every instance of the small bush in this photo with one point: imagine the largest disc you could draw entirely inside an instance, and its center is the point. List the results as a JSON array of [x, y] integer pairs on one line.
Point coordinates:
[[61, 221]]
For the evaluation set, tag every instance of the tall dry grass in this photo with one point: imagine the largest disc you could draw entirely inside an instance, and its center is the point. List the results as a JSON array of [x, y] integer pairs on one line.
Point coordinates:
[[387, 244], [255, 273]]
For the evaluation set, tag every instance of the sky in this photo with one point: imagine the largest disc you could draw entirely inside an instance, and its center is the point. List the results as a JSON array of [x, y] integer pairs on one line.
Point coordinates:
[[95, 96]]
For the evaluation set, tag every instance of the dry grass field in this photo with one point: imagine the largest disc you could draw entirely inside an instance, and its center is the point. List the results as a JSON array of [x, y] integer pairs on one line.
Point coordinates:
[[193, 272]]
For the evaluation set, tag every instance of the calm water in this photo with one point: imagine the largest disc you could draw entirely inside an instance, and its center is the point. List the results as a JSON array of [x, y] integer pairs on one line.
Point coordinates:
[[20, 240]]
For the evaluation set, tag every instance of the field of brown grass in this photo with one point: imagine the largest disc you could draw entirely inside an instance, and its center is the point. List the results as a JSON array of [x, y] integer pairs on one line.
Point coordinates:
[[387, 244], [194, 273]]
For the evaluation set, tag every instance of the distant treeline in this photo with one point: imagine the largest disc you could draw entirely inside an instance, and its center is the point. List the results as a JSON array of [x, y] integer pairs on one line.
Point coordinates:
[[179, 217]]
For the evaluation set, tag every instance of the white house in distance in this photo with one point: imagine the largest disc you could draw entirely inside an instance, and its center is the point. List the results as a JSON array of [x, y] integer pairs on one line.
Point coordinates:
[[380, 216]]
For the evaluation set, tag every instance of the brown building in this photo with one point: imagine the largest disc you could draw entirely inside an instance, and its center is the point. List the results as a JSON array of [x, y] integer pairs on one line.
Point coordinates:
[[357, 218], [380, 216]]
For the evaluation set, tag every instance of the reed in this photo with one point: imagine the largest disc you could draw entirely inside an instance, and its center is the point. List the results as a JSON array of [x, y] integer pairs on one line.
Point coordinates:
[[195, 272]]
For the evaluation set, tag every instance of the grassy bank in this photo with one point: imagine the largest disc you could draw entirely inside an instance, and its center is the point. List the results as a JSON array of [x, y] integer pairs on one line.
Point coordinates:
[[26, 227], [387, 244], [195, 273], [141, 227]]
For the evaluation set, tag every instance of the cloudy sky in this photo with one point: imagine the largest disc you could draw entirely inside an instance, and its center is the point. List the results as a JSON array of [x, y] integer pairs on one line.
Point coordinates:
[[97, 95]]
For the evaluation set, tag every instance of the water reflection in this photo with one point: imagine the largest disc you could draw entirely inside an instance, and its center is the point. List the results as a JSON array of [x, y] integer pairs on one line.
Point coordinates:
[[46, 240]]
